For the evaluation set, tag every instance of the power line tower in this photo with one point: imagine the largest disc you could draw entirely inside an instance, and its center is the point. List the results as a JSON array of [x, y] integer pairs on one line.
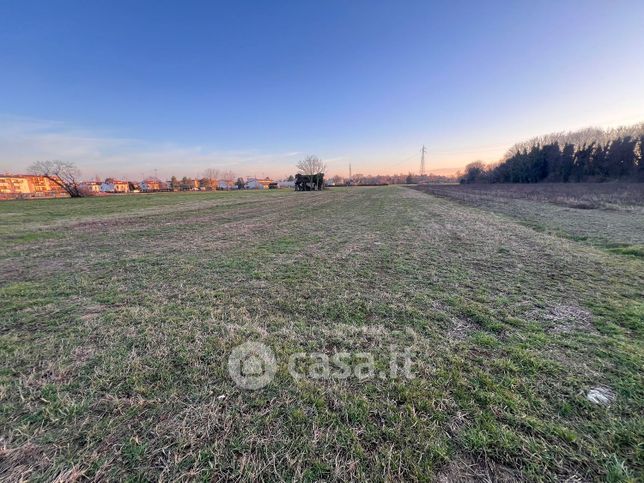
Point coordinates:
[[422, 160]]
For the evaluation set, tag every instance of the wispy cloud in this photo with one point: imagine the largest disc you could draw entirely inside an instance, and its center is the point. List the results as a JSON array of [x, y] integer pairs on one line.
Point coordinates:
[[25, 140]]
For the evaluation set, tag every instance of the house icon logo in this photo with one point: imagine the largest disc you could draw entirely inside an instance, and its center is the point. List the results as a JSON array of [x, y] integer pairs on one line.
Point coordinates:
[[252, 365]]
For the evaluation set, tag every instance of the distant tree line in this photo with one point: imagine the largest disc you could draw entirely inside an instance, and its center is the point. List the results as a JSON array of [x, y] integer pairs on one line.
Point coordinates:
[[402, 178], [586, 155]]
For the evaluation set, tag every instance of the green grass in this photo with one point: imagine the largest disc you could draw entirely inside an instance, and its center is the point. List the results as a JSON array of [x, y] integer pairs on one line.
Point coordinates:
[[118, 315]]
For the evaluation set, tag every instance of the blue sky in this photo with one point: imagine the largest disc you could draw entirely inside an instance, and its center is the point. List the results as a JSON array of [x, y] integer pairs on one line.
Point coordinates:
[[124, 88]]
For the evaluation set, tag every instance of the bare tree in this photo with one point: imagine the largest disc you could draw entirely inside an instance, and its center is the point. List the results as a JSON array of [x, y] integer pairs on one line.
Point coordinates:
[[228, 174], [209, 180], [311, 165], [211, 174], [62, 173]]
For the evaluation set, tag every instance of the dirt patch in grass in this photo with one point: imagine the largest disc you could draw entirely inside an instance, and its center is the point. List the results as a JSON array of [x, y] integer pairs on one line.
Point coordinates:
[[564, 319], [461, 330]]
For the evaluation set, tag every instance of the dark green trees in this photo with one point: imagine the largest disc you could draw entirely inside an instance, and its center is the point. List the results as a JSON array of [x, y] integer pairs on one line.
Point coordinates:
[[587, 155]]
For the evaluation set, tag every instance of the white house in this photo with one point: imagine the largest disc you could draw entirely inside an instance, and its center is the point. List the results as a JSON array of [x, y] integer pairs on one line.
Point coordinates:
[[115, 186], [91, 186]]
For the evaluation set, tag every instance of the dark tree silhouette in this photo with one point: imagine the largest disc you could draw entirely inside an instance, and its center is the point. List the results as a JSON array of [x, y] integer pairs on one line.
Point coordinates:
[[587, 155]]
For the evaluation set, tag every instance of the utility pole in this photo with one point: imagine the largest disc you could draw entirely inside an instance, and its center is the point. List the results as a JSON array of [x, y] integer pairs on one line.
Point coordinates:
[[422, 160], [349, 172]]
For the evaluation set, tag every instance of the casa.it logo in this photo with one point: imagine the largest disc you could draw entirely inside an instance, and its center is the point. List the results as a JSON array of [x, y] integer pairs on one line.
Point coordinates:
[[252, 365]]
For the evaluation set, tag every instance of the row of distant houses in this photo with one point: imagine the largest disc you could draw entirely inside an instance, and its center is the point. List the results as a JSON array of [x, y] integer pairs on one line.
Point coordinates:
[[205, 184], [32, 186]]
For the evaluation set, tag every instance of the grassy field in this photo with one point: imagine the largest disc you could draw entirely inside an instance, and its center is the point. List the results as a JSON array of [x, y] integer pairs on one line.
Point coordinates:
[[118, 316]]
